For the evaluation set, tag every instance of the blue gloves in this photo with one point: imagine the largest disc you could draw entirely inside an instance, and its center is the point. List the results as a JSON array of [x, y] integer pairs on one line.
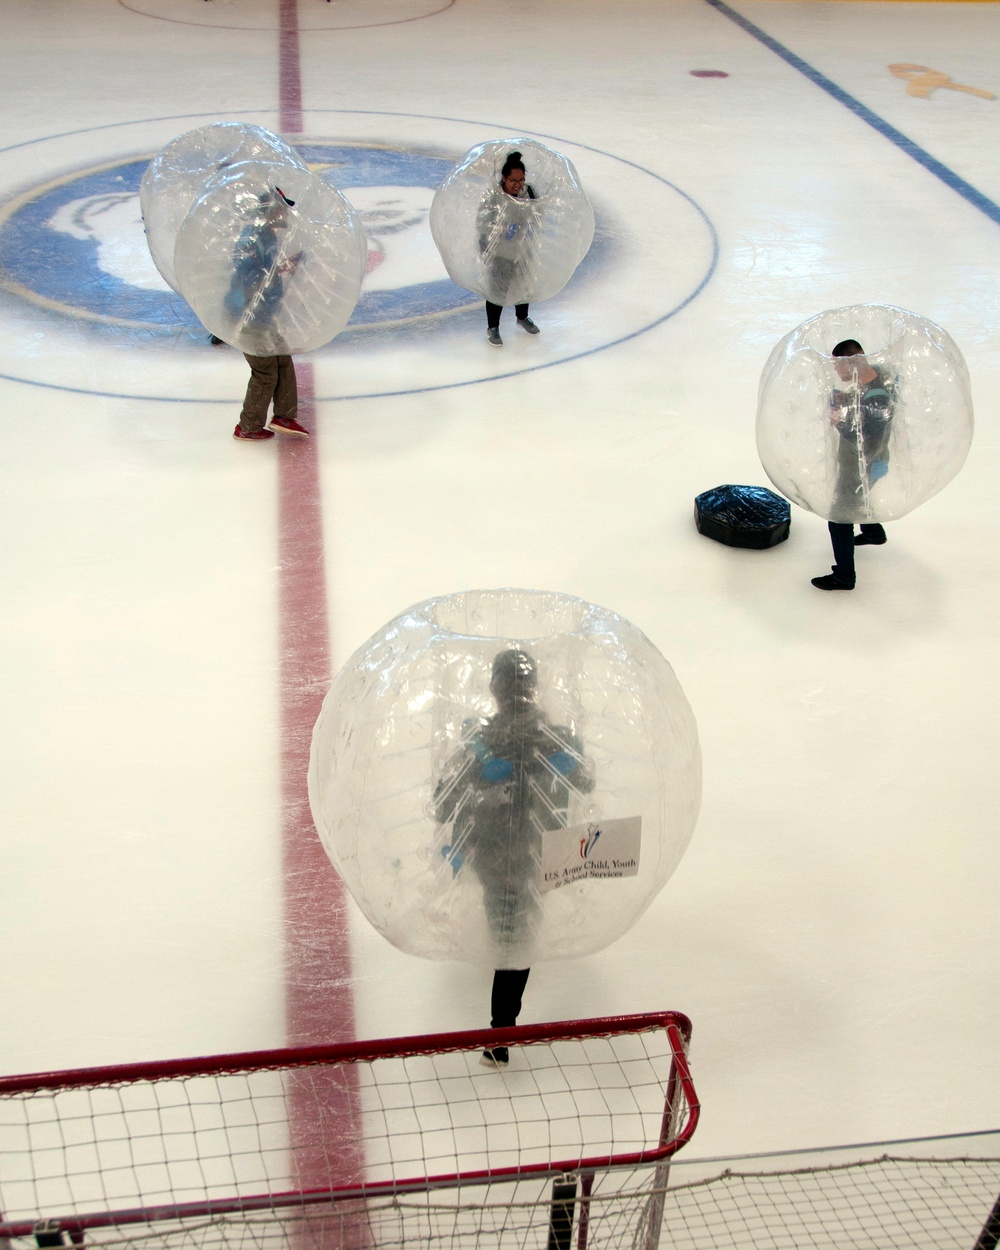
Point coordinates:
[[497, 770], [454, 857]]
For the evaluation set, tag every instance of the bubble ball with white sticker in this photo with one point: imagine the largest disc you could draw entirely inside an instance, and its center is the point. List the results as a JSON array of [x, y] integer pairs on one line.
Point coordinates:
[[869, 434], [177, 175], [502, 776], [512, 249], [272, 267]]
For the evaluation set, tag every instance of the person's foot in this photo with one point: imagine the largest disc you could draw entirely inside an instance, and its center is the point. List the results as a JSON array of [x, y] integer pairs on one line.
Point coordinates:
[[253, 436], [493, 337], [832, 582], [498, 1057], [527, 324], [288, 425], [869, 540], [215, 340]]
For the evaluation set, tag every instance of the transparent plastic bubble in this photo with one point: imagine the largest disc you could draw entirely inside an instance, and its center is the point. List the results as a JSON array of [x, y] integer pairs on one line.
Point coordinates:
[[452, 787], [177, 175], [512, 251], [268, 278], [864, 437]]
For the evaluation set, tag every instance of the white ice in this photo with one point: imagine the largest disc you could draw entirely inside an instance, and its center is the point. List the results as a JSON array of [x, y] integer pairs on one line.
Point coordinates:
[[831, 930]]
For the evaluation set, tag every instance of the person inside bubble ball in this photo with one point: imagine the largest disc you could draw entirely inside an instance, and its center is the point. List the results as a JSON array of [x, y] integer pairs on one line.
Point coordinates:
[[862, 416], [502, 243], [510, 782], [253, 300]]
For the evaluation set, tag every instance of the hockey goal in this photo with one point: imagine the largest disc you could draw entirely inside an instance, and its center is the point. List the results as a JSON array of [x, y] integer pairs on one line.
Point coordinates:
[[408, 1141]]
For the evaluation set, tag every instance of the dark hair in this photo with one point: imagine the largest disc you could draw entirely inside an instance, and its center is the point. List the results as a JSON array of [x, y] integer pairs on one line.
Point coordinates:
[[513, 161], [849, 347], [514, 677]]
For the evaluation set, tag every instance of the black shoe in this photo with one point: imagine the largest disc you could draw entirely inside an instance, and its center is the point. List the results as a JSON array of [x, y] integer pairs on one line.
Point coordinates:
[[215, 340], [832, 582], [870, 539], [498, 1057]]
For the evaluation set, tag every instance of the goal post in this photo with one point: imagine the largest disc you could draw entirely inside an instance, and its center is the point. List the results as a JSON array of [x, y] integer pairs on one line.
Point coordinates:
[[407, 1141]]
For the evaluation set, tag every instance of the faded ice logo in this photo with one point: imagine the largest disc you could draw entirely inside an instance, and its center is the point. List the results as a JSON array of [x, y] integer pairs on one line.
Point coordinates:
[[75, 245]]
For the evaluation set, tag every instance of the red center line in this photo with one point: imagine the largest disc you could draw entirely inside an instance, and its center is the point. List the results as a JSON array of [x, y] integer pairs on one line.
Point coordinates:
[[319, 1003], [319, 1006], [289, 68]]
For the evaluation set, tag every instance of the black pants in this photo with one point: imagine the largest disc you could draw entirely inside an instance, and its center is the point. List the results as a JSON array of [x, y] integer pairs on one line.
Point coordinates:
[[493, 312], [505, 1003], [842, 538]]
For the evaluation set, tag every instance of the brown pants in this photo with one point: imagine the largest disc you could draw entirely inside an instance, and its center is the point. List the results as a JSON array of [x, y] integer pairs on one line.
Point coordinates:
[[271, 378]]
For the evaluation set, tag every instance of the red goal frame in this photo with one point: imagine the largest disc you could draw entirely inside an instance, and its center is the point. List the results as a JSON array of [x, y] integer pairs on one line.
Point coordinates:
[[680, 1113]]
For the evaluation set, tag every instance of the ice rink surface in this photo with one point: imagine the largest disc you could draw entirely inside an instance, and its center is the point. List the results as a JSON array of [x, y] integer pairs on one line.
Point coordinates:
[[831, 930]]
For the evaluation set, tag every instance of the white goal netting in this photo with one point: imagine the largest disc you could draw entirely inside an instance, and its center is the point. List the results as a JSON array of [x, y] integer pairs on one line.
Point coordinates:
[[406, 1142], [887, 1203]]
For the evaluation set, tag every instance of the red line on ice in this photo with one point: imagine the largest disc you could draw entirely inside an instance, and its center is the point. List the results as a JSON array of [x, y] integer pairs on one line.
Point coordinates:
[[289, 68], [319, 1005], [319, 994]]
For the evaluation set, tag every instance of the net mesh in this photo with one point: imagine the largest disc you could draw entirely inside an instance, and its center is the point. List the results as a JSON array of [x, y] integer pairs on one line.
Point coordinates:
[[516, 1216], [889, 1203], [410, 1142]]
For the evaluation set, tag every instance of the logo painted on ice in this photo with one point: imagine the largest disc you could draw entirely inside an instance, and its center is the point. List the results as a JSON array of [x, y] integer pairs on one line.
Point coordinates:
[[588, 843], [76, 244]]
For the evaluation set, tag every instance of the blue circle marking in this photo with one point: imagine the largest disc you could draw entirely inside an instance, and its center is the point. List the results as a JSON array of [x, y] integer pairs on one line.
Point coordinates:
[[51, 241], [50, 248]]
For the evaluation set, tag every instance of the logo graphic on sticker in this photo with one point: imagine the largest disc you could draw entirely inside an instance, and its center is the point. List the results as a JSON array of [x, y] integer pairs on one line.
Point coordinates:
[[588, 843]]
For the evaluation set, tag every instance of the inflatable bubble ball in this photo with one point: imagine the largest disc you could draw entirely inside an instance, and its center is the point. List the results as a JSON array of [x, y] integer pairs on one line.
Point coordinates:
[[503, 776], [864, 413], [743, 516], [177, 175], [271, 267], [517, 247]]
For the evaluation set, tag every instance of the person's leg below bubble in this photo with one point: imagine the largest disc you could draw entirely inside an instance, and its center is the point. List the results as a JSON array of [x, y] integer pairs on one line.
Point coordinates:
[[505, 1000], [872, 535], [507, 916], [286, 400], [260, 391], [493, 312], [842, 576], [523, 320], [505, 1007]]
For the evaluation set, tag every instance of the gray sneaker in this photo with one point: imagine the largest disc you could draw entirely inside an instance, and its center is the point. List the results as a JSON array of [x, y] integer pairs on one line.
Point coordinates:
[[527, 324], [493, 337]]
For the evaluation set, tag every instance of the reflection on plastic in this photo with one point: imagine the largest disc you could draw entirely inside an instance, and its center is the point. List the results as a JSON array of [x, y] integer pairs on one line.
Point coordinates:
[[269, 256], [177, 175], [512, 250], [268, 278], [865, 437], [470, 728]]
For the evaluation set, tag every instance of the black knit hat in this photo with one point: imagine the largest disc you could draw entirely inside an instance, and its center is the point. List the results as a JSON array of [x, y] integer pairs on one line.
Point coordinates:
[[515, 676]]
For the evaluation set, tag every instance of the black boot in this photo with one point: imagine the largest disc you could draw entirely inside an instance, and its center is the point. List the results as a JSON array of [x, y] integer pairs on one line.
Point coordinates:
[[833, 581], [870, 536]]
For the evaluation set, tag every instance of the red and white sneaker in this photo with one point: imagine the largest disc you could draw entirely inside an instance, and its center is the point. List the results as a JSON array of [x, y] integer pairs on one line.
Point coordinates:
[[253, 436], [288, 425]]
